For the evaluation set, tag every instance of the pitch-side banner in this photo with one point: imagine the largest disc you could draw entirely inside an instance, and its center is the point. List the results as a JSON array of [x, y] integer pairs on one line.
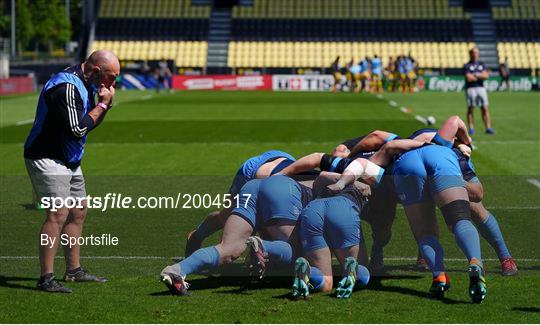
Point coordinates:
[[222, 82], [457, 83], [302, 82], [16, 85]]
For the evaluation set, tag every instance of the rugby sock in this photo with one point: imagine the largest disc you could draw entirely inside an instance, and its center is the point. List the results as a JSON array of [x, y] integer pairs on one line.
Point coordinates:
[[278, 251], [467, 239], [378, 246], [362, 276], [433, 253], [489, 229], [316, 278], [207, 257], [201, 232], [45, 278]]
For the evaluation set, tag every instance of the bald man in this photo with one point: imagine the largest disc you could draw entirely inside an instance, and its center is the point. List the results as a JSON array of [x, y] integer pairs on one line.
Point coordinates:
[[67, 110]]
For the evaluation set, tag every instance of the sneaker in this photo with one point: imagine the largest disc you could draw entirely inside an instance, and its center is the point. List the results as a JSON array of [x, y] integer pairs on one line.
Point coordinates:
[[301, 283], [256, 258], [192, 244], [82, 275], [471, 131], [490, 131], [421, 264], [49, 284], [509, 267], [176, 284], [439, 286], [346, 285], [477, 283]]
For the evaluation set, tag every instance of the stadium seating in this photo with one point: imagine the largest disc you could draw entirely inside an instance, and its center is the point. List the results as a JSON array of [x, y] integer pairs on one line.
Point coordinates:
[[518, 29], [434, 32], [520, 9], [321, 54], [185, 54], [518, 33], [156, 8], [154, 30], [344, 9], [437, 30], [520, 55], [311, 33]]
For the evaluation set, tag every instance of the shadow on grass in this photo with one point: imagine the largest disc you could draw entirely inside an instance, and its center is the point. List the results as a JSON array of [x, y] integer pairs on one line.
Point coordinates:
[[28, 206], [376, 285], [10, 282], [527, 309]]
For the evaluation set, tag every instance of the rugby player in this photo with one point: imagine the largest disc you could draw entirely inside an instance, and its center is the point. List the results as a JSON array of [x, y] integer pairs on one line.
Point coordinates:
[[261, 166], [475, 73], [365, 74], [376, 74], [484, 220], [390, 74], [406, 73], [349, 77], [429, 176], [336, 72], [331, 224], [355, 72], [270, 206]]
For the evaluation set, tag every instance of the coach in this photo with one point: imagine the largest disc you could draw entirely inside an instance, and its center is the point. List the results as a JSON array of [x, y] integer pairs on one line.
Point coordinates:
[[475, 73], [66, 112]]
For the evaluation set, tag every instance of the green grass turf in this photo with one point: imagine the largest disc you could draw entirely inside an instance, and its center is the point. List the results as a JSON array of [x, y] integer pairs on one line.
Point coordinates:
[[193, 143]]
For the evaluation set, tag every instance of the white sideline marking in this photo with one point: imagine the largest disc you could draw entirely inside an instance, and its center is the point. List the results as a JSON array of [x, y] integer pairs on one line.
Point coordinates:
[[534, 182], [507, 142], [23, 122], [515, 208], [392, 258], [420, 118], [147, 97], [400, 207]]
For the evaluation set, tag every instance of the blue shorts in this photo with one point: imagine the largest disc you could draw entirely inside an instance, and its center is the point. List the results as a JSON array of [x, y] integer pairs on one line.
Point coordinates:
[[247, 203], [248, 170], [280, 199], [332, 222], [421, 173]]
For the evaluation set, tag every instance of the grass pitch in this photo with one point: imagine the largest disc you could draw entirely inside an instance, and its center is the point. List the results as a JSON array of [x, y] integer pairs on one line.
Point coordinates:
[[193, 142]]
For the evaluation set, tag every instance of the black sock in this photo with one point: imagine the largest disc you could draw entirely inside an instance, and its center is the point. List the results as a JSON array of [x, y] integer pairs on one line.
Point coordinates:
[[74, 270], [45, 278]]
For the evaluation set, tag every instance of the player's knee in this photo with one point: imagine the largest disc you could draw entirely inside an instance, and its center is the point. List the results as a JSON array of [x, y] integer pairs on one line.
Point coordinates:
[[327, 284], [476, 193], [230, 252], [58, 217], [478, 212], [78, 215], [455, 211]]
